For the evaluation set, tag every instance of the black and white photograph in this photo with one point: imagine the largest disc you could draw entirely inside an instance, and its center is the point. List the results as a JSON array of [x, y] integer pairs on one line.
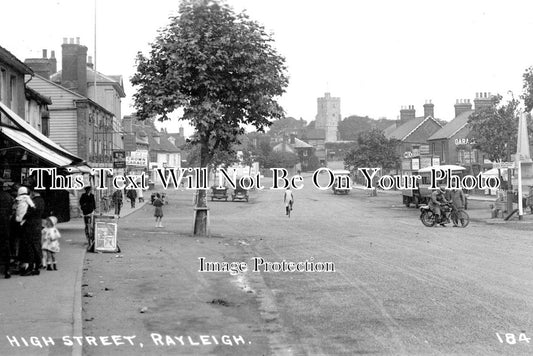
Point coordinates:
[[266, 177]]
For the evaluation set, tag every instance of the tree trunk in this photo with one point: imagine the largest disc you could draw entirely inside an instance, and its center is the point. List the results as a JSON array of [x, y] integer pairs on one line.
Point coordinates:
[[200, 209]]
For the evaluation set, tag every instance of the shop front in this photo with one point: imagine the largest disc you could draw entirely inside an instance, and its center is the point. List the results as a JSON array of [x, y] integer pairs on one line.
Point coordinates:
[[22, 147]]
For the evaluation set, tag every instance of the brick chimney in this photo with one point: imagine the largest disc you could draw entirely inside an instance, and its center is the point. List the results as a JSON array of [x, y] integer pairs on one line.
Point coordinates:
[[74, 71], [462, 105], [43, 66], [429, 109], [407, 113], [483, 101], [90, 62], [182, 131]]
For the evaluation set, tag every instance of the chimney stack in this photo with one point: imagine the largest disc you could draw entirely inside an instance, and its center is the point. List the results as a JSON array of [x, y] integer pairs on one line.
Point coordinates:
[[462, 105], [407, 113], [90, 62], [181, 131], [74, 71], [43, 66], [483, 101], [53, 62], [293, 138], [429, 109]]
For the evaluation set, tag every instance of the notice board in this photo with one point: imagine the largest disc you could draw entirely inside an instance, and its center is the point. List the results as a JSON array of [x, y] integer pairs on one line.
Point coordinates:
[[105, 233]]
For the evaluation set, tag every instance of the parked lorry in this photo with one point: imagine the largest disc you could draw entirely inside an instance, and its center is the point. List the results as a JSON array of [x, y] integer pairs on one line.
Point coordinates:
[[411, 166]]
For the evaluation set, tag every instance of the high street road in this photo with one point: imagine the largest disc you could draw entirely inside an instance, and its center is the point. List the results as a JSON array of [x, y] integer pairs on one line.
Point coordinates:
[[398, 287]]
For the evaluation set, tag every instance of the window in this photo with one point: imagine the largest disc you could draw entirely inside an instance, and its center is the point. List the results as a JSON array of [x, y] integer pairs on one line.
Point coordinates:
[[90, 146]]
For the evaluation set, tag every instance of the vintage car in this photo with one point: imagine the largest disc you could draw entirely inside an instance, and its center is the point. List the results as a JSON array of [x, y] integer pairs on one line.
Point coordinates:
[[239, 194], [219, 193], [342, 182]]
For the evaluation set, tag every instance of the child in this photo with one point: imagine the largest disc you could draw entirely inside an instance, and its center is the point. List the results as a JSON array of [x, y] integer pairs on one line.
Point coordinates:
[[158, 203], [22, 202], [50, 238]]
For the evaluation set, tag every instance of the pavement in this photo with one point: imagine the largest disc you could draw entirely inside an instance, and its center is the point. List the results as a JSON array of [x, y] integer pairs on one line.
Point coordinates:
[[37, 312]]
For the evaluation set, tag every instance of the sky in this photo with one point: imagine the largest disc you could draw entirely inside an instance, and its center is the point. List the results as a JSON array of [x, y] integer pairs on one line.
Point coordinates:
[[377, 56]]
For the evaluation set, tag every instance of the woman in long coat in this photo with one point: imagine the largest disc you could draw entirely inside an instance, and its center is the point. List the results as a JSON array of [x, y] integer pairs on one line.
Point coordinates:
[[31, 254]]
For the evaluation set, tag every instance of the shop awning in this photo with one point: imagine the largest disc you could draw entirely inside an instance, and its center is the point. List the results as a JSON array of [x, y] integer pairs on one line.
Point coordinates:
[[35, 142]]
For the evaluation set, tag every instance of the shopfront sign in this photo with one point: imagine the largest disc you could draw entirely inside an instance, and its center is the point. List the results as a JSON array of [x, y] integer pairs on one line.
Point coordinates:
[[137, 158]]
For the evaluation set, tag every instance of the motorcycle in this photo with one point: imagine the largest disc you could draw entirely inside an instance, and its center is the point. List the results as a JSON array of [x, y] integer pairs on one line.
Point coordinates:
[[448, 214]]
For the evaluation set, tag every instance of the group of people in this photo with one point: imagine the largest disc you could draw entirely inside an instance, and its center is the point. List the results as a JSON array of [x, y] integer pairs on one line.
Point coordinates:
[[440, 197], [29, 240]]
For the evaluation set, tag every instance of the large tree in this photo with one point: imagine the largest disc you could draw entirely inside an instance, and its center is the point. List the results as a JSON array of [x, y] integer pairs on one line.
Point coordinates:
[[495, 128], [372, 150], [219, 67]]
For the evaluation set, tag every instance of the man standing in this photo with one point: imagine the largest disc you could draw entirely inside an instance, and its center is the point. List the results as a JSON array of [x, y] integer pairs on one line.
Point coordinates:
[[458, 201], [117, 201], [87, 205]]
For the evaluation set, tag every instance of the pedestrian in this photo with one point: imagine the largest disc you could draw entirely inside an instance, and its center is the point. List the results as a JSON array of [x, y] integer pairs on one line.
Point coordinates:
[[158, 213], [288, 199], [458, 201], [140, 194], [31, 225], [88, 206], [6, 204], [132, 196], [117, 201], [50, 241]]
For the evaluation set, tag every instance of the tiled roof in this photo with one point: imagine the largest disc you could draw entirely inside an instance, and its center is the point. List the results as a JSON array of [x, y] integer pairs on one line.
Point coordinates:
[[389, 130], [300, 144], [403, 131], [452, 127]]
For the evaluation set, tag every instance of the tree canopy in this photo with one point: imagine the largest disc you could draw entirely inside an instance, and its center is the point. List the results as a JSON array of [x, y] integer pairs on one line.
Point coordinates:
[[373, 149], [495, 128], [219, 67], [352, 126]]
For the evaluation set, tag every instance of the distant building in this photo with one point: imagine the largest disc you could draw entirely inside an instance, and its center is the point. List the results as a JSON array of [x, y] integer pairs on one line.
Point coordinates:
[[453, 144], [303, 150], [22, 143], [413, 132], [328, 116]]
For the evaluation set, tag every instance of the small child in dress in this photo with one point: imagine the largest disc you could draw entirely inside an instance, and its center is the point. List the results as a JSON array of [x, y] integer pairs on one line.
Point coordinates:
[[50, 239]]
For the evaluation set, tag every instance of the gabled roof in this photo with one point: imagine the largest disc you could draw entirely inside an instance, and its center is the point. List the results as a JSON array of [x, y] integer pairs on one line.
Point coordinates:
[[406, 129], [300, 144], [78, 95], [390, 129], [452, 127]]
